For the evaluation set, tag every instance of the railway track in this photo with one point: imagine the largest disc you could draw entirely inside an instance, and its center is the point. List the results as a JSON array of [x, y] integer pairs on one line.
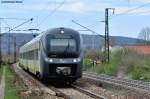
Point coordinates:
[[95, 96], [33, 83], [71, 92], [75, 92], [140, 86]]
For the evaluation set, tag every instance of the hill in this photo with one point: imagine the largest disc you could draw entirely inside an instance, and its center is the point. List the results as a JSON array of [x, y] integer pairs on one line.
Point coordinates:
[[89, 41]]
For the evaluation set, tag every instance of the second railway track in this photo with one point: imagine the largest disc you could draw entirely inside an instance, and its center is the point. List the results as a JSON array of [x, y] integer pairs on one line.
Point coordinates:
[[140, 86]]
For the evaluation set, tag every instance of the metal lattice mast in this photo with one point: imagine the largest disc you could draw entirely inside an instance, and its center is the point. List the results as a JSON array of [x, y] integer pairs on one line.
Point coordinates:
[[0, 45], [9, 46], [106, 52], [15, 49]]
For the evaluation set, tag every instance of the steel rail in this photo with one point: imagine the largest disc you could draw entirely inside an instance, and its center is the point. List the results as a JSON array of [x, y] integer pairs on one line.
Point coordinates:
[[34, 81], [56, 90], [93, 95], [131, 84]]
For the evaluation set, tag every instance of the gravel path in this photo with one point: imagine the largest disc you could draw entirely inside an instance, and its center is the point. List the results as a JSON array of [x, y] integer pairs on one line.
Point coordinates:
[[109, 93], [74, 94], [36, 90], [2, 85]]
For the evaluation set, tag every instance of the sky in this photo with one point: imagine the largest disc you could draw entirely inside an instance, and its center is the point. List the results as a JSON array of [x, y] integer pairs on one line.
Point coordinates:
[[126, 20]]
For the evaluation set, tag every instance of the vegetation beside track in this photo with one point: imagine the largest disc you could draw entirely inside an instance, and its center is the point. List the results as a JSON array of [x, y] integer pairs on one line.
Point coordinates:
[[1, 70], [126, 63], [13, 87]]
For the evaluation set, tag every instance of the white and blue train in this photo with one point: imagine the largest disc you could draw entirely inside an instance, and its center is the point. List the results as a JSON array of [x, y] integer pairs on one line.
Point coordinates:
[[55, 54]]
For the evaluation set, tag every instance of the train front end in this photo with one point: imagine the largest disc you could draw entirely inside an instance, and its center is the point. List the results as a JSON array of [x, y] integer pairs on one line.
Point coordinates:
[[64, 57]]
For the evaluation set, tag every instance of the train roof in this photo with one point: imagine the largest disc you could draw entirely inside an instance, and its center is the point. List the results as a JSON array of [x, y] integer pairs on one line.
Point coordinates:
[[50, 31], [57, 30], [33, 40]]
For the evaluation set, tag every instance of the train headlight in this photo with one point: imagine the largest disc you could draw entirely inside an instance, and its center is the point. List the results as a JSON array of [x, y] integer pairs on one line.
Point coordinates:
[[74, 60], [62, 31], [50, 60], [46, 59], [77, 60]]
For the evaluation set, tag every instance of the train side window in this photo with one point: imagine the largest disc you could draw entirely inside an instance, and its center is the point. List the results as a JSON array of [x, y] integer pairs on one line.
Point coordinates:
[[37, 54], [26, 55], [23, 55], [33, 54], [39, 45]]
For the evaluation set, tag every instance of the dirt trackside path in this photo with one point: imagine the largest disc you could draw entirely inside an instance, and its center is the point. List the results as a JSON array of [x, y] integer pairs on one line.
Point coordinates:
[[2, 84], [36, 90]]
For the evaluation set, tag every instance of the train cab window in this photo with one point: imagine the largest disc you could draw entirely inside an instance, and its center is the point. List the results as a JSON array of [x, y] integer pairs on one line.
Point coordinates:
[[61, 45]]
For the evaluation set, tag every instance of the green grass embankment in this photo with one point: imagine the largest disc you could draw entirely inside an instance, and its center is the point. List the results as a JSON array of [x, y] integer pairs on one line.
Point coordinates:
[[12, 87], [1, 68], [127, 62]]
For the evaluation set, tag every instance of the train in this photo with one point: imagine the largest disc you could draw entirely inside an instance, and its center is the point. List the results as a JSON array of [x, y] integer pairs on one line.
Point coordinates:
[[56, 54]]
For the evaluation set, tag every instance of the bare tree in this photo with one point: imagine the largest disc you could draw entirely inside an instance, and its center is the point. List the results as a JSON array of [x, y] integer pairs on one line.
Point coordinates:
[[112, 41], [145, 35]]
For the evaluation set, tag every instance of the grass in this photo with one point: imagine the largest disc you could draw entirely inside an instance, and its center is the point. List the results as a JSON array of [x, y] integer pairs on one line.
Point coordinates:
[[112, 68], [109, 69], [87, 64], [132, 64], [1, 70], [141, 70], [12, 88]]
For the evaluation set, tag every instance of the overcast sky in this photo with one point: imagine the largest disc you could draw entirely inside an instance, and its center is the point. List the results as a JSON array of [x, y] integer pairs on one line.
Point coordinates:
[[89, 13]]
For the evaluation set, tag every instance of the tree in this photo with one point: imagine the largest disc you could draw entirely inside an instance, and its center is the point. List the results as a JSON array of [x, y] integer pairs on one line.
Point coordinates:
[[112, 41], [145, 35], [94, 55]]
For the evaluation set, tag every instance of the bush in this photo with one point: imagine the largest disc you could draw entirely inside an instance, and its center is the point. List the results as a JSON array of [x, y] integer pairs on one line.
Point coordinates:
[[141, 70], [94, 55], [112, 67], [87, 64], [137, 73], [127, 61], [100, 68]]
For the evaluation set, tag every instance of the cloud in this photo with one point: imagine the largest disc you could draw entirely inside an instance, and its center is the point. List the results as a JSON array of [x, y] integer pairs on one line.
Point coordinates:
[[132, 11], [83, 7], [132, 1], [13, 11], [73, 7], [76, 7], [143, 1]]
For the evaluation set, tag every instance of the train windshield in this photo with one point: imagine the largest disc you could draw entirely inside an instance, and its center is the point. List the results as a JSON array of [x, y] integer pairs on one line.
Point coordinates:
[[63, 45]]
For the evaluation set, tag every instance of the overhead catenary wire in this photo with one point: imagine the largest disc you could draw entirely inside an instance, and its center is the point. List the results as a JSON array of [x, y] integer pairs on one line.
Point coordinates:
[[42, 10], [37, 16], [88, 29], [52, 12], [131, 10], [14, 18], [20, 25], [142, 12], [6, 23], [94, 24], [9, 18]]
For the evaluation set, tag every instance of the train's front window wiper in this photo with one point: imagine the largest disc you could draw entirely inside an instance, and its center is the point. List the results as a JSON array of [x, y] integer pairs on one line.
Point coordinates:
[[67, 47]]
